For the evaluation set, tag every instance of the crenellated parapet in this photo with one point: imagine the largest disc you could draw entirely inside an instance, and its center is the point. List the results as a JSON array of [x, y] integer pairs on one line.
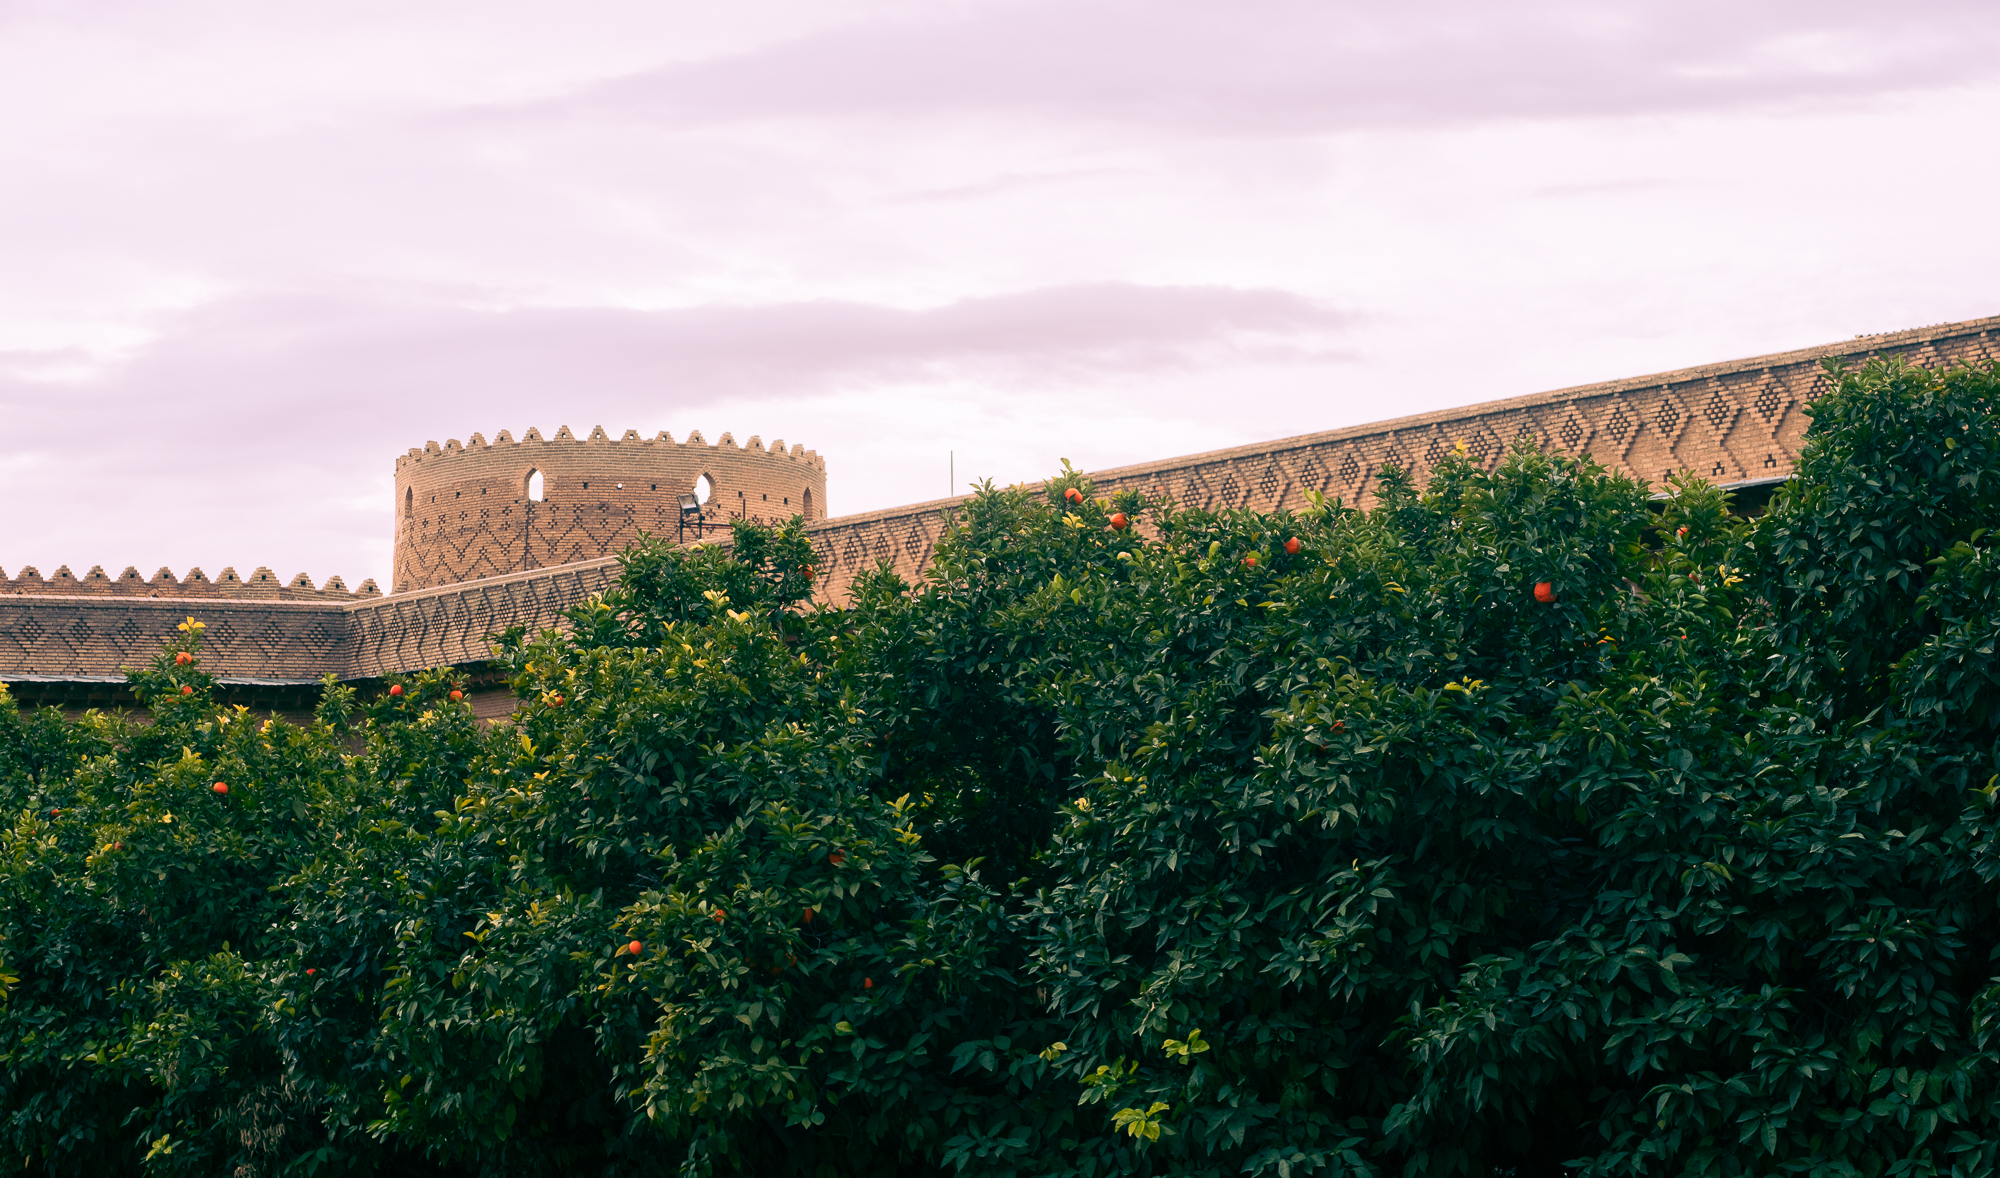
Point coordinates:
[[485, 552], [474, 509], [261, 585]]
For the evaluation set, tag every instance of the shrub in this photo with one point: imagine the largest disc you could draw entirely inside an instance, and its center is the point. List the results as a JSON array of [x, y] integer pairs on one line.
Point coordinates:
[[1162, 849]]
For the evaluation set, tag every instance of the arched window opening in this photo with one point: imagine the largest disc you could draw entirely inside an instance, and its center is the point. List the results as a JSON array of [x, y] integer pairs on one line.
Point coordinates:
[[409, 502], [807, 500], [704, 489], [534, 486]]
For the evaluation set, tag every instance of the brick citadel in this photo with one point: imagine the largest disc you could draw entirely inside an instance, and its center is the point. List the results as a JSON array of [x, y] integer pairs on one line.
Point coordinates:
[[481, 509], [502, 533]]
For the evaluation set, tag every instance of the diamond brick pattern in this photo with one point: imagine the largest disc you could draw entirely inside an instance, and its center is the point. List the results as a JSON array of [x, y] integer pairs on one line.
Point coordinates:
[[1720, 410], [1228, 491], [1312, 472], [464, 510], [1707, 420]]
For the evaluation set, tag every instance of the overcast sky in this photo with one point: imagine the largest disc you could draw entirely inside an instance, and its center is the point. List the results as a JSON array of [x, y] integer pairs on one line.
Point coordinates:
[[250, 252]]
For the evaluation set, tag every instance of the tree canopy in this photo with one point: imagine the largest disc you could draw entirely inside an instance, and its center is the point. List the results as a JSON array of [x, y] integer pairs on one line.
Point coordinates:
[[1528, 823]]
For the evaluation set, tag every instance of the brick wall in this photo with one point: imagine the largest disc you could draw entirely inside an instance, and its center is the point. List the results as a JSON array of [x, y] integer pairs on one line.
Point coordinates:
[[1736, 422], [48, 638], [463, 511], [1741, 421]]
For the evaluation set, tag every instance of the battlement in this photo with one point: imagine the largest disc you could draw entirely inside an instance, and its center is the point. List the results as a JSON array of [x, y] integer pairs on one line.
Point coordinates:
[[261, 585], [490, 535], [473, 509], [598, 436]]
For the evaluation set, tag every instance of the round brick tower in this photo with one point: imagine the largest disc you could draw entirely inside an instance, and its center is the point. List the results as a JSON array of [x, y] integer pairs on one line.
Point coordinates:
[[479, 509]]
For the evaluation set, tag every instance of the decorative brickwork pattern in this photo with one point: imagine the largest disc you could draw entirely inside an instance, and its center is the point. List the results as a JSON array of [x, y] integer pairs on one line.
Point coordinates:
[[448, 626], [1740, 422], [72, 638], [1736, 422], [45, 637], [466, 511]]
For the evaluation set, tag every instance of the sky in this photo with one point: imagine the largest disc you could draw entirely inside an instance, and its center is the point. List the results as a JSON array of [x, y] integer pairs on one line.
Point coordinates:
[[250, 252]]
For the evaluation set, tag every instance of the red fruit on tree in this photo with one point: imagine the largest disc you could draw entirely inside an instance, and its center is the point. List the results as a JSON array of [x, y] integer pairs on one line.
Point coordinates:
[[807, 917], [311, 972], [633, 948], [1119, 523], [1292, 546], [1544, 592], [1073, 495], [457, 694], [186, 690], [837, 858], [868, 983], [1250, 561], [719, 914], [395, 689], [184, 658], [1339, 726], [555, 701], [221, 789]]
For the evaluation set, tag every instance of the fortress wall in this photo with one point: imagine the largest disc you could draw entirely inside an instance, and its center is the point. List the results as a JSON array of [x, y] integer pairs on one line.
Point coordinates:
[[50, 637], [1736, 422], [463, 511], [1739, 421], [448, 625]]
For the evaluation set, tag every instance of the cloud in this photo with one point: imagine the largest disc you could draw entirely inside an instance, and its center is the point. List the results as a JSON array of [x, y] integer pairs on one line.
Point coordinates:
[[1303, 66], [287, 353], [269, 419], [252, 257]]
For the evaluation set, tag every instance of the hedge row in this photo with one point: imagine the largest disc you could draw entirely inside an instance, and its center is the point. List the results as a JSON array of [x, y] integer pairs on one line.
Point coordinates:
[[1526, 824]]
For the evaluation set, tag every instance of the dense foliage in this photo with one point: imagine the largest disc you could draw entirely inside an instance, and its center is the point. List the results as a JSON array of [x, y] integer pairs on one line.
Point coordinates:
[[1216, 844]]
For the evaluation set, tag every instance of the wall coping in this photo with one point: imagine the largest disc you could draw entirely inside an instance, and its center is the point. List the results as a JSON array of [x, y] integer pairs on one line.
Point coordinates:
[[444, 624]]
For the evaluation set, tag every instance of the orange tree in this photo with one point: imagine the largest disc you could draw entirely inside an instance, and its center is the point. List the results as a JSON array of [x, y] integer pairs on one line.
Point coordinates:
[[1526, 823]]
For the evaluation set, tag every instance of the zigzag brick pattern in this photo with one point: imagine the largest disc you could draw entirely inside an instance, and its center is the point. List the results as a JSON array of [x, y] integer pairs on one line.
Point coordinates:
[[1730, 423], [50, 637], [1735, 422], [467, 510], [437, 627]]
